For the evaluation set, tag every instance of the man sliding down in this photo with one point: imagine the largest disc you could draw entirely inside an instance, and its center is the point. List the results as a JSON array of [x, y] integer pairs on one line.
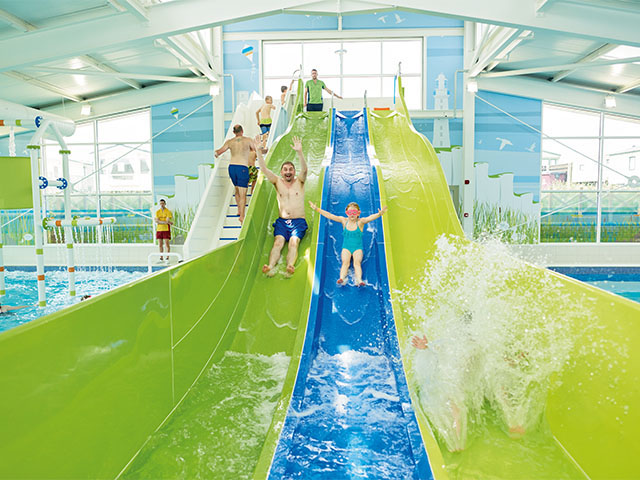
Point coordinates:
[[291, 225]]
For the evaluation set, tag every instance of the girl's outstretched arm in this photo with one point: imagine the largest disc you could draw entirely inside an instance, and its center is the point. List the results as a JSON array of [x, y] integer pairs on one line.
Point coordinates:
[[370, 218], [324, 213]]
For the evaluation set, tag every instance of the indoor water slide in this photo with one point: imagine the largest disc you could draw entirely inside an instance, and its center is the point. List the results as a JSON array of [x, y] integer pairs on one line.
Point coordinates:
[[84, 389], [350, 414], [161, 378], [591, 421]]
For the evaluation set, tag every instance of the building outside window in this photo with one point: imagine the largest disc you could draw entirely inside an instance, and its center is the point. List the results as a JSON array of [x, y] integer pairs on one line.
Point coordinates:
[[110, 170], [348, 67], [590, 190]]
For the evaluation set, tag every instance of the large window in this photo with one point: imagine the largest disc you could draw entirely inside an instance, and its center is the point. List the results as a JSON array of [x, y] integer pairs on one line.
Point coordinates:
[[590, 185], [349, 67], [110, 174]]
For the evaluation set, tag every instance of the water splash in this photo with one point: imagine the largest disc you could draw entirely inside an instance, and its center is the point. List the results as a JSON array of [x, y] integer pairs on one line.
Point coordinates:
[[498, 331]]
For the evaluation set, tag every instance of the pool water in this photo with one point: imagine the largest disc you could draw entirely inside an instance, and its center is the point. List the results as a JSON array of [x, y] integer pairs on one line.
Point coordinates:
[[623, 281], [21, 288]]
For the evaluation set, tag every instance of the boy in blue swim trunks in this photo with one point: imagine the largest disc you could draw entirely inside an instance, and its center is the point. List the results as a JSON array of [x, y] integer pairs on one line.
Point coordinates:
[[351, 238], [291, 226], [240, 147]]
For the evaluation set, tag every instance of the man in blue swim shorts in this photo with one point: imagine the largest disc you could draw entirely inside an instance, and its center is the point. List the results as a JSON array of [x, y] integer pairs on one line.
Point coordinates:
[[240, 147], [291, 226]]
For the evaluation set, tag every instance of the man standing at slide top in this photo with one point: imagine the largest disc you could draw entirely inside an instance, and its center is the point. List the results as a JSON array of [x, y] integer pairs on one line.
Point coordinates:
[[291, 224], [313, 93], [240, 147]]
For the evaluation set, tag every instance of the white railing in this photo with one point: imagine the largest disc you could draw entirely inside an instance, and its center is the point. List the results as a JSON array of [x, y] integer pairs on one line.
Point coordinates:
[[210, 215]]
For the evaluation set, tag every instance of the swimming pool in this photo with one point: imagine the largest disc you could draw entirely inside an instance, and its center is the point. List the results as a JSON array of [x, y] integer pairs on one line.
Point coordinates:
[[21, 288], [623, 281]]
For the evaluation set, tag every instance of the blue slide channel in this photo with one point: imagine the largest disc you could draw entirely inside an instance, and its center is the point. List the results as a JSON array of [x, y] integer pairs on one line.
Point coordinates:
[[350, 415]]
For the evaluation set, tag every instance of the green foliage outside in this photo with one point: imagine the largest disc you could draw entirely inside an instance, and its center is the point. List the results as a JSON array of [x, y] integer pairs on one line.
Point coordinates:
[[506, 224]]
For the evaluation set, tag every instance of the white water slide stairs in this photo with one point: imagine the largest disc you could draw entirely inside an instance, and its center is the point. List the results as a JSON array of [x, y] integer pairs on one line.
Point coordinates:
[[216, 219]]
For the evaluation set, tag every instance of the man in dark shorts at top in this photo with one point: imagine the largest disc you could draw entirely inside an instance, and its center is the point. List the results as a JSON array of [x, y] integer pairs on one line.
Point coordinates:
[[291, 225], [313, 93], [240, 147]]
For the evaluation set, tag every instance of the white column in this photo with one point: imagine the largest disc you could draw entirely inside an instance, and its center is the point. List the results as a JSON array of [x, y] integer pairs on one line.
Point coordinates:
[[218, 101], [68, 231], [467, 189], [34, 150], [599, 183]]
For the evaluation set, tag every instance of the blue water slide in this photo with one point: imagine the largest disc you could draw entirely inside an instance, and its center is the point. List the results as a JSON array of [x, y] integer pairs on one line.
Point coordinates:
[[350, 415]]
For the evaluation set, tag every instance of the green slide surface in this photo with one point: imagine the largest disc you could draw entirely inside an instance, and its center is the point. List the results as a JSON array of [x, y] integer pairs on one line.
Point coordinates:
[[198, 353], [592, 423], [188, 373]]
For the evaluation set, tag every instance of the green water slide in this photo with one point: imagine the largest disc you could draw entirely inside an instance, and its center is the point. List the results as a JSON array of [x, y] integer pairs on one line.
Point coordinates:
[[177, 375], [591, 427], [188, 373]]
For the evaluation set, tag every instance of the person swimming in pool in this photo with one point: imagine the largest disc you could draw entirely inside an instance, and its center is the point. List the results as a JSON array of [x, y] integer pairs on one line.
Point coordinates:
[[351, 238], [10, 308]]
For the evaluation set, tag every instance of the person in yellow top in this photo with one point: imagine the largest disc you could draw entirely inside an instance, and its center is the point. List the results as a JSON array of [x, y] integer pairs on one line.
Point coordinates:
[[164, 219]]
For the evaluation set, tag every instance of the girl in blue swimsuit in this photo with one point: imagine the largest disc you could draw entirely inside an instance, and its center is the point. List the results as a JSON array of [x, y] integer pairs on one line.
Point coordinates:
[[351, 237]]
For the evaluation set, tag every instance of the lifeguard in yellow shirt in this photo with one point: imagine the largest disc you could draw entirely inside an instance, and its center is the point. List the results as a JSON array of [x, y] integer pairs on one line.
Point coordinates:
[[164, 220]]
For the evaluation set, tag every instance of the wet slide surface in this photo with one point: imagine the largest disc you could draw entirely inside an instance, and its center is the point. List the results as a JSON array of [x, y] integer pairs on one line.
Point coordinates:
[[420, 210], [350, 415], [218, 431]]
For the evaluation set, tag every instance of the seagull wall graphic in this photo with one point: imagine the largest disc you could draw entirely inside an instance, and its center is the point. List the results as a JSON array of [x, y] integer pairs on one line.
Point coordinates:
[[504, 143]]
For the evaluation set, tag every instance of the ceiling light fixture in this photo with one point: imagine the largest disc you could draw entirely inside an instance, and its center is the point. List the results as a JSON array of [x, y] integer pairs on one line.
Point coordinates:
[[86, 110], [610, 101]]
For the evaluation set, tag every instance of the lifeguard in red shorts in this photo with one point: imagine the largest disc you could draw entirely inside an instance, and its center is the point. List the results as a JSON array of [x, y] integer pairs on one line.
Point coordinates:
[[164, 219]]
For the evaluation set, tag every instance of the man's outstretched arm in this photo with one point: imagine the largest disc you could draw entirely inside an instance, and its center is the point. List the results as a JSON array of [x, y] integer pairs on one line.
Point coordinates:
[[297, 146]]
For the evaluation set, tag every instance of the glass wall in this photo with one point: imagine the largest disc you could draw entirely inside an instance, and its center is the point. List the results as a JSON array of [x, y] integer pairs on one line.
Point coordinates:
[[590, 185], [348, 67], [110, 173]]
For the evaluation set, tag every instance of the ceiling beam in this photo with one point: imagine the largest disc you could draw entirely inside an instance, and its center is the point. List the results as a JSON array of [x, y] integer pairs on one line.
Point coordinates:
[[597, 53], [103, 67], [173, 18], [131, 6], [131, 99], [112, 31], [543, 5], [119, 75], [28, 27], [16, 22], [606, 25], [566, 66], [561, 93], [187, 47], [44, 85], [182, 61], [499, 39], [629, 87], [620, 5]]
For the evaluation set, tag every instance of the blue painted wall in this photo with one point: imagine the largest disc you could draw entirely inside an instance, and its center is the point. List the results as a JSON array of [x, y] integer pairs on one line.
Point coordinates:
[[184, 146], [284, 21], [397, 19], [245, 68], [444, 55], [294, 22], [425, 127], [507, 145]]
